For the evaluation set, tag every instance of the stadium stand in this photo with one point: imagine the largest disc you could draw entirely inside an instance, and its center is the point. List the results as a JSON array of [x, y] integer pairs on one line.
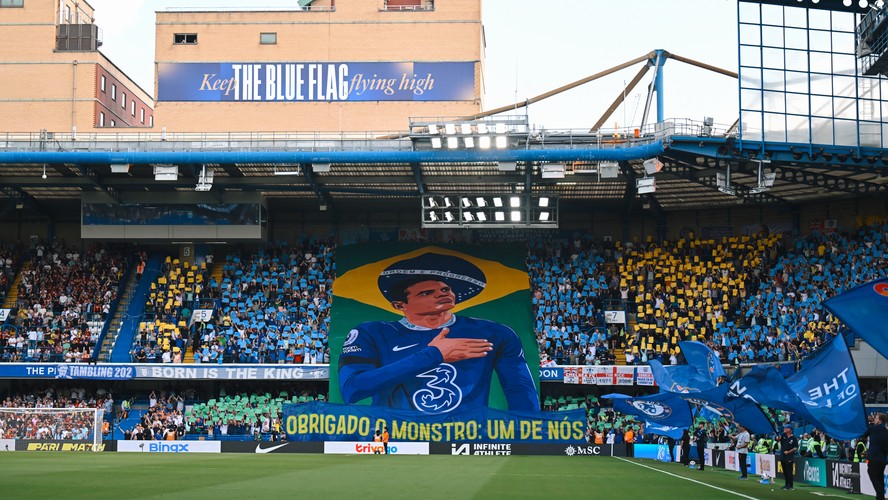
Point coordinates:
[[273, 307], [61, 303]]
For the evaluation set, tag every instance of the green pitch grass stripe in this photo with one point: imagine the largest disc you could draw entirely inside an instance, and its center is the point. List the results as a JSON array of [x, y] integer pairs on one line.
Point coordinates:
[[686, 478]]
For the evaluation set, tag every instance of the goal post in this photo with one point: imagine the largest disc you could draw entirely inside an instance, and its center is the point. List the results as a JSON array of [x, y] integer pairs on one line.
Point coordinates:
[[61, 425]]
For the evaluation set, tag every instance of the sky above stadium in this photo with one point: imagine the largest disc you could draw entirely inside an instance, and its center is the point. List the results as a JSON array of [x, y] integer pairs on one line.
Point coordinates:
[[534, 47]]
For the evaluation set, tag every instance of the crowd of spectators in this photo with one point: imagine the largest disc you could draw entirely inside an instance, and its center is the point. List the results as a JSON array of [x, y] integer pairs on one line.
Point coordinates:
[[63, 300], [271, 306], [37, 425]]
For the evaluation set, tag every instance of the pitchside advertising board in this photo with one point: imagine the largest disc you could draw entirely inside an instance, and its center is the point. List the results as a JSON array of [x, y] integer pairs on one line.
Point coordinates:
[[137, 446], [374, 448], [316, 82], [507, 449], [24, 445]]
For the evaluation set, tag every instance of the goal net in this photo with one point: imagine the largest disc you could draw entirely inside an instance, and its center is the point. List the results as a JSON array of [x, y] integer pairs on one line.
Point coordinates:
[[62, 426]]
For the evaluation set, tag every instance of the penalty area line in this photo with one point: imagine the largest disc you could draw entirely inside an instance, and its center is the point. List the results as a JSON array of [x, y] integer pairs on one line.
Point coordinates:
[[686, 478]]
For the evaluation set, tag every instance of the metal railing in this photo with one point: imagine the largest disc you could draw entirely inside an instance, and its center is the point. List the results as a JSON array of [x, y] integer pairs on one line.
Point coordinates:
[[519, 137]]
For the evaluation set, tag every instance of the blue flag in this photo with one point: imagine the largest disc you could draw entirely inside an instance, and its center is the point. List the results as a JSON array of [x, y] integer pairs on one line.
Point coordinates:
[[664, 408], [765, 385], [701, 356], [714, 402], [700, 374], [865, 310], [664, 430], [828, 388]]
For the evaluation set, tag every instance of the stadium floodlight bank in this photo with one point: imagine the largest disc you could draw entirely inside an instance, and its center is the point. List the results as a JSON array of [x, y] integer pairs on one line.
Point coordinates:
[[61, 426], [489, 211]]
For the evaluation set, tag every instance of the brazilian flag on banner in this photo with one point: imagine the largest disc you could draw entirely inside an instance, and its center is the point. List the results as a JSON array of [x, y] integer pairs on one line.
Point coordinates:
[[433, 328]]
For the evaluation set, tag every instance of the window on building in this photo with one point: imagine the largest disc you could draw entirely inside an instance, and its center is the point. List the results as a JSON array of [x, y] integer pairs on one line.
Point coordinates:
[[151, 120], [407, 5], [101, 119], [67, 13], [102, 83], [113, 92], [268, 38], [113, 123], [123, 100], [142, 115], [12, 3], [133, 107], [185, 38]]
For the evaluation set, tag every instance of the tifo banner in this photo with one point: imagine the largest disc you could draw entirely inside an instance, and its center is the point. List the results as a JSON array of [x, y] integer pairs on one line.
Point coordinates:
[[425, 328], [644, 376], [66, 371], [232, 372], [554, 373], [317, 421], [316, 82]]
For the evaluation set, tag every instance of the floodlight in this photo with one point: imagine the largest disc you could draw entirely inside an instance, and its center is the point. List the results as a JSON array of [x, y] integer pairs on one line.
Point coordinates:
[[516, 216], [433, 217], [498, 202], [433, 129], [468, 217], [500, 128], [499, 216], [515, 202], [481, 216], [450, 129], [470, 142], [482, 128], [544, 201], [480, 201], [544, 216], [452, 142], [447, 202], [448, 216], [465, 129], [484, 142], [466, 203], [320, 167], [502, 142], [436, 142]]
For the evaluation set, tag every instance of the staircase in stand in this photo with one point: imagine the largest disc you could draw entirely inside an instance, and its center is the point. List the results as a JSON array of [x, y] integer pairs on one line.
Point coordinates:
[[12, 296], [620, 355], [117, 320], [215, 275]]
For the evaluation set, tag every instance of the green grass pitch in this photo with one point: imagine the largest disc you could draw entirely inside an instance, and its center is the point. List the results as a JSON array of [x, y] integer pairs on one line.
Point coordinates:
[[272, 476]]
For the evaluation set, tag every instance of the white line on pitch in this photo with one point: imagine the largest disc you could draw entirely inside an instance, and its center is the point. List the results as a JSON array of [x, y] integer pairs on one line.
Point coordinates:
[[686, 478]]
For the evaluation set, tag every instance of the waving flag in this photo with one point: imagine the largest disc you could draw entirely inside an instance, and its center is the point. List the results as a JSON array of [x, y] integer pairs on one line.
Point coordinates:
[[765, 385], [716, 403], [827, 385], [664, 430], [700, 374], [865, 310], [664, 408], [701, 356]]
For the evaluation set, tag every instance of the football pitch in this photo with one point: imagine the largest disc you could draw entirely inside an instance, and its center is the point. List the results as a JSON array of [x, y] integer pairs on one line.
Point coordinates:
[[91, 475]]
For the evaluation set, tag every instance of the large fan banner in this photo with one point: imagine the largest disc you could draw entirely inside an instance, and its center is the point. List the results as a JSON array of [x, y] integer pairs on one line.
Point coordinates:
[[433, 329]]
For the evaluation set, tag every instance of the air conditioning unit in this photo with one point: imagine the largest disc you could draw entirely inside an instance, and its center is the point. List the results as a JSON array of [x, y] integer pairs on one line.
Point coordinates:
[[166, 173], [553, 171]]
